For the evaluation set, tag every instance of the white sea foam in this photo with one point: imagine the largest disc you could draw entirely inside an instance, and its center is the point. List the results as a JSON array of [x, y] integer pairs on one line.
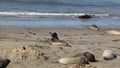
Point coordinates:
[[101, 15], [37, 14]]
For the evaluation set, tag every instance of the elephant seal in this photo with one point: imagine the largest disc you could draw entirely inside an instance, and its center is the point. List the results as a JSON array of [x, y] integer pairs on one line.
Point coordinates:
[[74, 60], [56, 41], [94, 27], [4, 63], [85, 16], [90, 57], [54, 36], [113, 32]]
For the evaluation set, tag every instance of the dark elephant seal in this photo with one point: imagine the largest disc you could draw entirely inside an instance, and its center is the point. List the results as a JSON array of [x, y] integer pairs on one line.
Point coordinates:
[[85, 17], [4, 63], [90, 57], [56, 41], [54, 36]]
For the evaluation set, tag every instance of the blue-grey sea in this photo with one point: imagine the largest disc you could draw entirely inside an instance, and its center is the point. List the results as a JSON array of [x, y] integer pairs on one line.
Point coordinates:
[[60, 13]]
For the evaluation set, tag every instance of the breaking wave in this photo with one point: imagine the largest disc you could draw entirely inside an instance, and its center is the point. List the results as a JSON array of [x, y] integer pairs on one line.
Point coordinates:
[[37, 14]]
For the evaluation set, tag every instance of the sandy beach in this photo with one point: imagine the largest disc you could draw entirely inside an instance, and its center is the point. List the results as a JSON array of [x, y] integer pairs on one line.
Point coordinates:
[[26, 47]]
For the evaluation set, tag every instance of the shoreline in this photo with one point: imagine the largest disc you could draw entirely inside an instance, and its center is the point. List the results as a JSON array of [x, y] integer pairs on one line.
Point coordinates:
[[25, 27]]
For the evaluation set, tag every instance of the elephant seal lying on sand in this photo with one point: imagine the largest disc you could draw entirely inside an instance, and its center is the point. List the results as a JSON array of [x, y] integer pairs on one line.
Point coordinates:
[[90, 57], [74, 60], [85, 16], [94, 27], [56, 41]]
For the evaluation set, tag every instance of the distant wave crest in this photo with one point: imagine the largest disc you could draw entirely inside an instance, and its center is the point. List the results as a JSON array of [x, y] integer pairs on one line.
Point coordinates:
[[37, 14]]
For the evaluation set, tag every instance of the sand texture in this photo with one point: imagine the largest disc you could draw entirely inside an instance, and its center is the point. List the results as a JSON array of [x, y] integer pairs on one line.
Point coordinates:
[[27, 47]]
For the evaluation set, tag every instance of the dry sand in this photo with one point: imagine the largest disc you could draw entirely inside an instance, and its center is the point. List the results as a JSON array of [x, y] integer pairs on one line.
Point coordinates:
[[26, 47]]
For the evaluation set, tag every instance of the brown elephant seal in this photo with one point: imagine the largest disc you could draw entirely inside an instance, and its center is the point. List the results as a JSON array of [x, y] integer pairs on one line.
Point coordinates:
[[54, 36], [94, 27], [56, 41], [90, 57]]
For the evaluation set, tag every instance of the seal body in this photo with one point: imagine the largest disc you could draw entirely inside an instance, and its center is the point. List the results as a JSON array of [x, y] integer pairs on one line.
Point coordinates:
[[90, 57], [108, 55], [73, 60], [113, 32], [54, 36], [4, 63], [94, 27], [56, 41], [60, 43], [85, 17]]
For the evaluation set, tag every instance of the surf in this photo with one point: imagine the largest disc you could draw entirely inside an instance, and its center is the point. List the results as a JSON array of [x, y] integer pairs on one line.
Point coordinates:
[[39, 14]]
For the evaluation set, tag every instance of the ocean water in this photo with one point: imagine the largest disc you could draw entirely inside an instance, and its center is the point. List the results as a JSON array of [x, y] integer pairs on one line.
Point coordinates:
[[60, 13]]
